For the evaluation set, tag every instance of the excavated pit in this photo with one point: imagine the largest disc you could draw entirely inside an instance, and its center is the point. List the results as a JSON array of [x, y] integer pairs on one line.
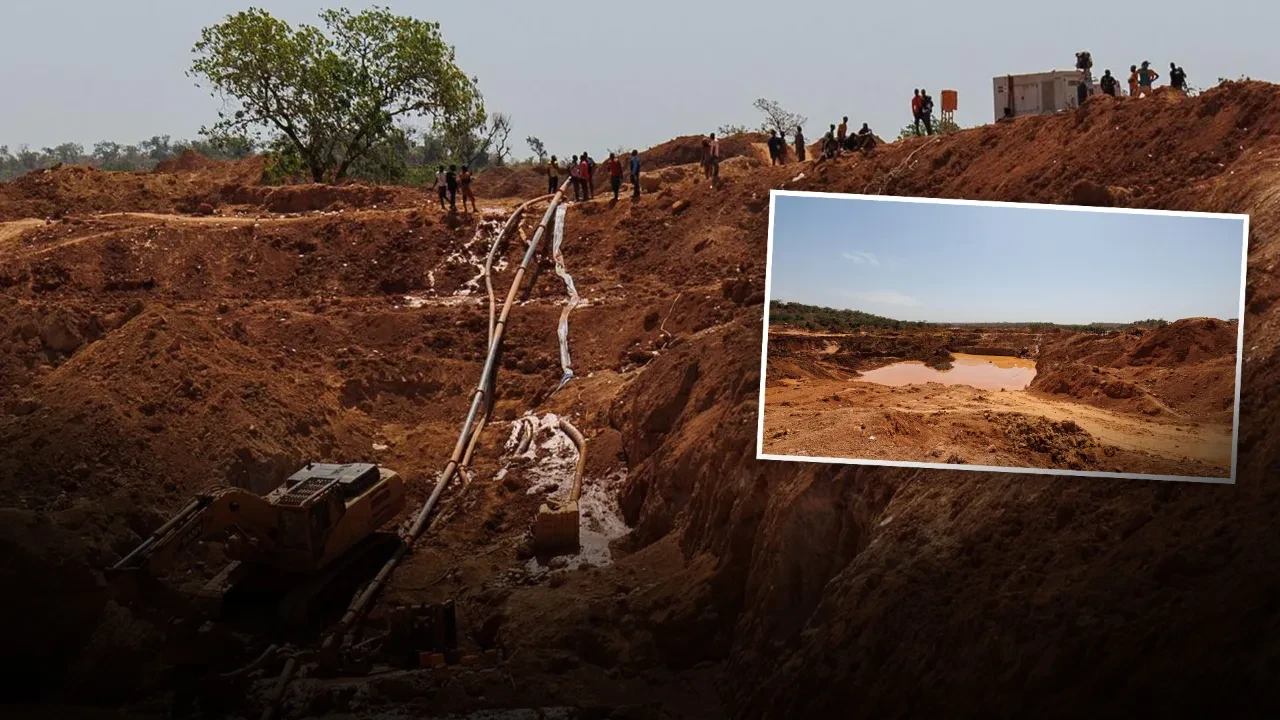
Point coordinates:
[[146, 356], [1147, 401]]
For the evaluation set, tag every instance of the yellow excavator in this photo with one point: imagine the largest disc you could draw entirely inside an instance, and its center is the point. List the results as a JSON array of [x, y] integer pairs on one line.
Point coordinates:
[[292, 544]]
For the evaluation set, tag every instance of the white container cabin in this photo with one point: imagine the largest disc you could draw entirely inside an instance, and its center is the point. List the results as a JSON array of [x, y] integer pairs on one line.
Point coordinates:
[[1036, 93]]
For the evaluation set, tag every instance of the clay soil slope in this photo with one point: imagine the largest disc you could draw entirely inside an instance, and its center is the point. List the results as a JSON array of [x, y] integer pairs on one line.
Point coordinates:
[[1140, 402], [147, 357]]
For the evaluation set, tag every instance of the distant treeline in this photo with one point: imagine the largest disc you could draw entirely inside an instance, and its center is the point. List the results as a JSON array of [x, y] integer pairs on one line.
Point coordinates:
[[108, 155], [812, 317], [404, 158]]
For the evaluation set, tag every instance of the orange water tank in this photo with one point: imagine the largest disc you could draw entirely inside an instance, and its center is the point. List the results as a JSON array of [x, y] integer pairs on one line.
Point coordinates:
[[949, 101]]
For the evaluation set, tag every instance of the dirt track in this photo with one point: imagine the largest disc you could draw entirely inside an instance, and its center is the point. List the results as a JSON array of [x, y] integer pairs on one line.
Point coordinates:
[[146, 358]]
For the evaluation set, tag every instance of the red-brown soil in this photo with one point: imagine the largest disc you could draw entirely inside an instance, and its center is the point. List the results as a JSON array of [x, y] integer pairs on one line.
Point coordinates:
[[1157, 402], [148, 357]]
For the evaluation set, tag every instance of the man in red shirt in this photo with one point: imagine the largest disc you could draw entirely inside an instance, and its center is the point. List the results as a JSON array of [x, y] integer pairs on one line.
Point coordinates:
[[916, 105], [615, 174], [584, 170]]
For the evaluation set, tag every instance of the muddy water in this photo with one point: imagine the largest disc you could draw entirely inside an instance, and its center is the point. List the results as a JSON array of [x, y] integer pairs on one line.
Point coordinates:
[[985, 372]]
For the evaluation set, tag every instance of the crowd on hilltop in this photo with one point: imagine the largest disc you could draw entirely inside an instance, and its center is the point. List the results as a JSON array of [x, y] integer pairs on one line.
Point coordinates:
[[1142, 78]]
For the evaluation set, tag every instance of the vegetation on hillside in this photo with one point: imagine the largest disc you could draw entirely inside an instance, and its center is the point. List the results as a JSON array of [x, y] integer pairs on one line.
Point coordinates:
[[825, 319], [333, 97]]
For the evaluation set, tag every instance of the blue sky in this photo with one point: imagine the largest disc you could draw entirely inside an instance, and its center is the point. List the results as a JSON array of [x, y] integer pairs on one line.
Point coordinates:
[[969, 263], [596, 75]]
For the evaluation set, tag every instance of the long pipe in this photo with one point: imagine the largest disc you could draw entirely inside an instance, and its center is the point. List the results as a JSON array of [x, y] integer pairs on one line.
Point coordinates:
[[488, 281], [581, 442], [358, 607]]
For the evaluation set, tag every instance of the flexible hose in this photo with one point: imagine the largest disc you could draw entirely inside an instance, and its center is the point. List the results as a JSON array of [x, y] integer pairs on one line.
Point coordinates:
[[577, 438], [562, 331]]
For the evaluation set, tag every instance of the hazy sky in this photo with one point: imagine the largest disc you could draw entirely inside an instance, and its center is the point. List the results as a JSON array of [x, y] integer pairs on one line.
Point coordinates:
[[595, 75], [969, 263]]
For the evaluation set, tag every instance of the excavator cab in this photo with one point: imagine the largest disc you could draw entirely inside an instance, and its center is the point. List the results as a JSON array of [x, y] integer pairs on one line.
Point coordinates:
[[316, 524]]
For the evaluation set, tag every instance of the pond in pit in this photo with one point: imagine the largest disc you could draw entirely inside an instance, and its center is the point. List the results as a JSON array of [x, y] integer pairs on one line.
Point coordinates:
[[985, 372]]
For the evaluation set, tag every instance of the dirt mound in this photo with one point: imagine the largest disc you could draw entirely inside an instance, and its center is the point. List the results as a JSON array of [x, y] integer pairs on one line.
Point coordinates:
[[510, 182], [314, 197], [1190, 340], [1174, 144], [70, 190], [1065, 442], [1096, 387], [688, 149]]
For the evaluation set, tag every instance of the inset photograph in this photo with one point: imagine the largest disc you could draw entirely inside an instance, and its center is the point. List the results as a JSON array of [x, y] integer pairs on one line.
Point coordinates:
[[1001, 336]]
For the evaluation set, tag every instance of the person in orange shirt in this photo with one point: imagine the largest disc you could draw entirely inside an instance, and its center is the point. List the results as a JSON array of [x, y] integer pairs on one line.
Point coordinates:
[[1133, 81], [615, 174], [465, 180], [915, 109]]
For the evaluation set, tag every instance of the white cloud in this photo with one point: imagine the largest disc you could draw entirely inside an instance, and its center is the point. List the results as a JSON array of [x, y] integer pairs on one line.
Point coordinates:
[[882, 297], [862, 258]]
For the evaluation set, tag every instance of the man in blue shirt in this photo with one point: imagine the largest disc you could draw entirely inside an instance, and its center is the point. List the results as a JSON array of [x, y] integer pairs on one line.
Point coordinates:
[[635, 175]]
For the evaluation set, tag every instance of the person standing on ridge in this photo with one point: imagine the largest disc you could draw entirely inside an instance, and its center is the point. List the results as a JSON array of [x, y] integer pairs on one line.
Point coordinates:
[[715, 160], [590, 175], [1177, 78], [799, 144], [926, 111], [465, 179], [1133, 81], [584, 172], [635, 175], [773, 147], [575, 178], [553, 176], [915, 109], [615, 174], [440, 186], [1108, 83], [842, 132], [451, 182], [1146, 78]]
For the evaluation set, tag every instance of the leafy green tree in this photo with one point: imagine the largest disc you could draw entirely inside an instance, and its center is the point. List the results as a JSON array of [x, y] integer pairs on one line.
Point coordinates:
[[334, 94], [158, 148]]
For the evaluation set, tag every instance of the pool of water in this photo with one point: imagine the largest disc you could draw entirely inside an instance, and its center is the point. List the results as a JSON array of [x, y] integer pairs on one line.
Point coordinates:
[[985, 372]]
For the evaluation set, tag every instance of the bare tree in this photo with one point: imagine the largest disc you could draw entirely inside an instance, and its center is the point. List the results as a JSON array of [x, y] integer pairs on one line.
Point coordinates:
[[538, 148], [778, 118], [490, 140], [500, 134]]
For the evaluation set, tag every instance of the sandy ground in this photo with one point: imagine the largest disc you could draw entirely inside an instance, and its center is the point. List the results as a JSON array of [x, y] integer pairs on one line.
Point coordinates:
[[957, 423]]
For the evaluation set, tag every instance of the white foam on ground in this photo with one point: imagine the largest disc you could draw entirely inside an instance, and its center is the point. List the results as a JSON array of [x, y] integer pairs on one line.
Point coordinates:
[[554, 456], [555, 459], [473, 252]]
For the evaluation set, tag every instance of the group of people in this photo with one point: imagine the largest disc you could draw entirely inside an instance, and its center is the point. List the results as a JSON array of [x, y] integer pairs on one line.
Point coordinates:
[[582, 170], [838, 139], [449, 182], [1142, 78], [922, 110]]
